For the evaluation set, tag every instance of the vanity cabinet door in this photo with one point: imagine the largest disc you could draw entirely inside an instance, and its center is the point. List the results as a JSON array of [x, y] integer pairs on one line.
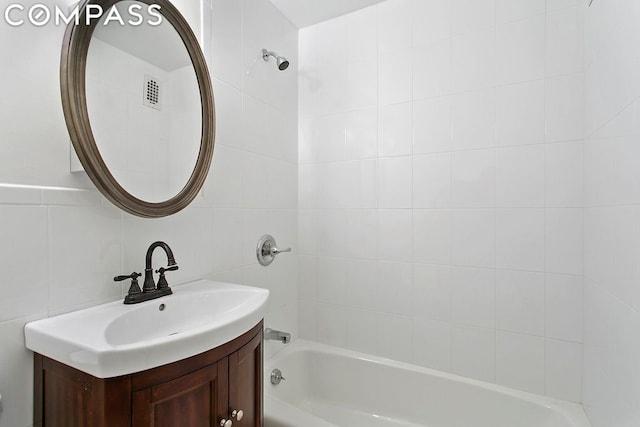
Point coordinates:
[[198, 399], [245, 383]]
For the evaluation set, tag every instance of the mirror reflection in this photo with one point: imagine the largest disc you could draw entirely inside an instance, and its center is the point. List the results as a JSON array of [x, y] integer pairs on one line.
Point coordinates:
[[144, 106]]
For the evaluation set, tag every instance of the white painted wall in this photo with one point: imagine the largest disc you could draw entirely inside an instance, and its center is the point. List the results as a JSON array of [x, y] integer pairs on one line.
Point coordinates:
[[611, 248], [441, 190], [61, 248]]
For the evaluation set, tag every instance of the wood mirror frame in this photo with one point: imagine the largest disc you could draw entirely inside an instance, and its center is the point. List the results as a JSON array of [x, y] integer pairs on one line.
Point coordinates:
[[74, 102]]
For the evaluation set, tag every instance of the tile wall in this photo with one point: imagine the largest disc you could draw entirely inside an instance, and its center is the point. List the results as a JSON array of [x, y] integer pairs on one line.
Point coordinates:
[[612, 209], [61, 246], [441, 187]]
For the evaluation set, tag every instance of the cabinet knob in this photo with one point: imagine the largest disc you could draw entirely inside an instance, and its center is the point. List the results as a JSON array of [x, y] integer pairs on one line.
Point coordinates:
[[237, 414], [225, 423]]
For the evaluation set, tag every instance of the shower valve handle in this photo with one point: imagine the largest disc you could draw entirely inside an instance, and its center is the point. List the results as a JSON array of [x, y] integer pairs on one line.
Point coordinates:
[[276, 251]]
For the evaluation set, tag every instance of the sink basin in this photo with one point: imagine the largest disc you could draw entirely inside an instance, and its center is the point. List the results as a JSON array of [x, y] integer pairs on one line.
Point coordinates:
[[116, 339]]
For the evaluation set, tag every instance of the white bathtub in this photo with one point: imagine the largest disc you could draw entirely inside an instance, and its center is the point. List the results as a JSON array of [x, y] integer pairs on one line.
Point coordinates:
[[327, 386]]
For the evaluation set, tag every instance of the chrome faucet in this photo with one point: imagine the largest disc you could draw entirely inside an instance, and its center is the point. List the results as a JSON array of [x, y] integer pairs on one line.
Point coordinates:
[[271, 334], [149, 289]]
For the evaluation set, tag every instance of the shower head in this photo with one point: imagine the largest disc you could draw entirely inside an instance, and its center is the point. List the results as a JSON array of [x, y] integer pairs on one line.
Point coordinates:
[[281, 61]]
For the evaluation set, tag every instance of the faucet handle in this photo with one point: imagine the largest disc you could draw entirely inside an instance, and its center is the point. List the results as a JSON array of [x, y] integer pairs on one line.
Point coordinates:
[[162, 270], [162, 280], [134, 288], [132, 276]]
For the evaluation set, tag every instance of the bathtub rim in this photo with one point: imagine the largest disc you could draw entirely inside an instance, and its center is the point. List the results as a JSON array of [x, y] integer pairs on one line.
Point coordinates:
[[574, 412]]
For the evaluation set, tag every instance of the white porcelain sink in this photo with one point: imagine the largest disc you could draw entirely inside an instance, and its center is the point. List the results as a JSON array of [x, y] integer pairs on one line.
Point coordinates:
[[116, 339]]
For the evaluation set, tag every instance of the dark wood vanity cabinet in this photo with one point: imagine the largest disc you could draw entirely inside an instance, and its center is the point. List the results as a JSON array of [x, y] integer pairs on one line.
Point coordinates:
[[196, 392]]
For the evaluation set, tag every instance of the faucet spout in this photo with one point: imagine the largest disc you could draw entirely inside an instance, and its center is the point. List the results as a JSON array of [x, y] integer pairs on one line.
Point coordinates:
[[149, 283], [271, 334]]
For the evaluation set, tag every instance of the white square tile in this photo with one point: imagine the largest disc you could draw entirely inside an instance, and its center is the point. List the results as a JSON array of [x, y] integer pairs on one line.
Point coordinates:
[[564, 370], [432, 181], [564, 172], [362, 134], [308, 319], [229, 115], [474, 179], [432, 69], [224, 185], [395, 288], [332, 325], [474, 234], [520, 302], [24, 231], [564, 241], [432, 125], [473, 353], [362, 33], [332, 39], [395, 235], [565, 108], [520, 176], [520, 361], [472, 15], [362, 83], [280, 194], [473, 297], [395, 179], [255, 118], [331, 231], [394, 131], [226, 41], [331, 85], [307, 186], [432, 344], [432, 236], [361, 183], [473, 60], [565, 41], [520, 239], [332, 279], [431, 21], [432, 292], [99, 256], [564, 307], [520, 114], [362, 331], [394, 25], [362, 233], [395, 337], [520, 50], [307, 47], [194, 237], [474, 120], [362, 284], [227, 233], [514, 10], [331, 138], [395, 77], [308, 277], [308, 232]]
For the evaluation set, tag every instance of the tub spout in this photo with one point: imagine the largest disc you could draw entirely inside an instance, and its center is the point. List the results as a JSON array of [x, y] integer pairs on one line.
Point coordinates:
[[271, 334]]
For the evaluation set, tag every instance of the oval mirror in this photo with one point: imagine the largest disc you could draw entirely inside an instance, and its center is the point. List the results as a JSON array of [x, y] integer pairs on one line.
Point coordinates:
[[138, 104]]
